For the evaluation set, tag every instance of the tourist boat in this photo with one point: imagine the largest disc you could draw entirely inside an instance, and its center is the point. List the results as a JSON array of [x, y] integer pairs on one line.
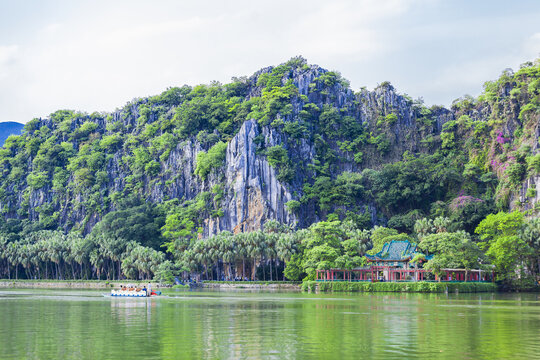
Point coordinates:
[[133, 292]]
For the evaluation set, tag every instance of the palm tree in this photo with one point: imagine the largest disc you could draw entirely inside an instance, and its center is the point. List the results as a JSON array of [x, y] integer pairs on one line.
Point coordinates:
[[201, 255], [96, 260], [252, 251], [241, 240], [80, 249], [256, 250], [226, 249], [423, 227], [12, 255], [270, 249], [441, 224], [286, 246], [4, 252]]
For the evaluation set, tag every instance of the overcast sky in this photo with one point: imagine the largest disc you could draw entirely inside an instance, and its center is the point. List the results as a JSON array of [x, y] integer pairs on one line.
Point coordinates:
[[97, 55]]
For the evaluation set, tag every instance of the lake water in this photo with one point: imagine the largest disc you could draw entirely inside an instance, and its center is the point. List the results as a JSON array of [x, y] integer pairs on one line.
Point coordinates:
[[57, 324]]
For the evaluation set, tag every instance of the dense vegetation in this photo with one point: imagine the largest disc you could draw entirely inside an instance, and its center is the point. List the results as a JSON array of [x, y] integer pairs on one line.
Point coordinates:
[[362, 168], [504, 242]]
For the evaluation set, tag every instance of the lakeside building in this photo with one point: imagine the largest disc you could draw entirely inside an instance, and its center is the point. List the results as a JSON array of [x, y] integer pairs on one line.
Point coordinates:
[[394, 263]]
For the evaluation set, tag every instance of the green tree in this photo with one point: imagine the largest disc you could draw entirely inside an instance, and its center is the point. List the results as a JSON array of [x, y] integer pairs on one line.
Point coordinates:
[[499, 235], [214, 158], [135, 222], [451, 250]]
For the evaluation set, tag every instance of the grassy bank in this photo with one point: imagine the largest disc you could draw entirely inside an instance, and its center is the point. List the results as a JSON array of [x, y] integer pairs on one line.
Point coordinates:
[[421, 286]]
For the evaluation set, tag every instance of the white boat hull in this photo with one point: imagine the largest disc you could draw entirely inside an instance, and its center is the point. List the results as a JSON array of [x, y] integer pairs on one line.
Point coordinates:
[[129, 293]]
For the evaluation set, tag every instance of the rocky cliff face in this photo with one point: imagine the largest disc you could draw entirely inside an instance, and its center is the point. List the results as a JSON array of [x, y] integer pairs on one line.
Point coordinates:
[[253, 193], [324, 128]]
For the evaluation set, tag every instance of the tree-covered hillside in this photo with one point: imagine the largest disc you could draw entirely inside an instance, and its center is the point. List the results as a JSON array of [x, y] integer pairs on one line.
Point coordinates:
[[292, 143]]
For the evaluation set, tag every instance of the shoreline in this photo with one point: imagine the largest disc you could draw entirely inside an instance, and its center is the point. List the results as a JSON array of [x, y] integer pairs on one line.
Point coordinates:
[[68, 284], [255, 285], [308, 286], [110, 284]]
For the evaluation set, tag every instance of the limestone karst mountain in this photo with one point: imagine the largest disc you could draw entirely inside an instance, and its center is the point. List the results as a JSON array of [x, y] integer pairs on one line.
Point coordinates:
[[292, 143]]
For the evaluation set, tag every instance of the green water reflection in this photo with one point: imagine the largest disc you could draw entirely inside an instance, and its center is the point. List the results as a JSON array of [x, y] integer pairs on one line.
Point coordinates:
[[52, 324]]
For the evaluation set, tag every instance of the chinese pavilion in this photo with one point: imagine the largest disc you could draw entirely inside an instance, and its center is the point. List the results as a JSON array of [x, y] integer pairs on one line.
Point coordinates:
[[393, 263]]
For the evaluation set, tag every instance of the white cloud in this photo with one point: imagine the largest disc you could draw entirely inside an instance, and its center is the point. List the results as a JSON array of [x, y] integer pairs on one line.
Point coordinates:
[[8, 53], [349, 29], [468, 76], [100, 56], [52, 28], [531, 47], [8, 56]]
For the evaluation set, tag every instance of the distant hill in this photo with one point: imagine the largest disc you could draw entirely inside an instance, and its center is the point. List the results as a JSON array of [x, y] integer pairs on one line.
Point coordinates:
[[9, 128]]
